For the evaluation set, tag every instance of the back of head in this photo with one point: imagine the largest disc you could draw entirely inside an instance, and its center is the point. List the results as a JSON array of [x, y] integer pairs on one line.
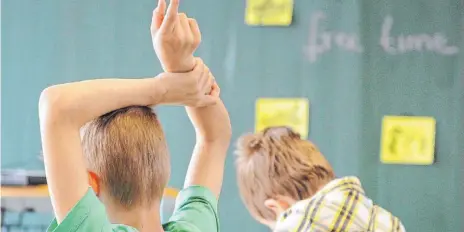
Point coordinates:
[[127, 149], [277, 162]]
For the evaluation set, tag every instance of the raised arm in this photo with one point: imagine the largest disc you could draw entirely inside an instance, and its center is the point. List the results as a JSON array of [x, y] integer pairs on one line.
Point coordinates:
[[213, 133], [63, 109], [175, 38]]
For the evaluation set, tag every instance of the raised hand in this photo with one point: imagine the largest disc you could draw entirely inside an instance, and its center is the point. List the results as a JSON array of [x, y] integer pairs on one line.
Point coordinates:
[[189, 89], [175, 37]]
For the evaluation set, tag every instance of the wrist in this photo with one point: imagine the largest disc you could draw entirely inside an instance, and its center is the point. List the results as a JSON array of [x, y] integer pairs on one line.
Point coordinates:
[[181, 67], [159, 87]]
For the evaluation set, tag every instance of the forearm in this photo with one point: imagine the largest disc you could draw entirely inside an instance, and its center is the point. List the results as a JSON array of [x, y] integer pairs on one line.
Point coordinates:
[[211, 123], [213, 134], [206, 167], [79, 102]]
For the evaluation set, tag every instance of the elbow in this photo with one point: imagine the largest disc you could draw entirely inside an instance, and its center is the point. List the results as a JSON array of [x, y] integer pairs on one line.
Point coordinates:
[[227, 131], [227, 135], [52, 105]]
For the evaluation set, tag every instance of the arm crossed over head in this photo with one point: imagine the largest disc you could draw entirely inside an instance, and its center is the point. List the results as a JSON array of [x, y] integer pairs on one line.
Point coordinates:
[[64, 109]]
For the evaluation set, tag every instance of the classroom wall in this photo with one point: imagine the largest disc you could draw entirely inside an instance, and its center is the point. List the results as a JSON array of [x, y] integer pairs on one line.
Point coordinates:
[[352, 81]]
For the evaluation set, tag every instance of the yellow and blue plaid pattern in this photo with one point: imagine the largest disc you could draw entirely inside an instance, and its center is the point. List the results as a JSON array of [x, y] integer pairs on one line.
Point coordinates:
[[341, 206]]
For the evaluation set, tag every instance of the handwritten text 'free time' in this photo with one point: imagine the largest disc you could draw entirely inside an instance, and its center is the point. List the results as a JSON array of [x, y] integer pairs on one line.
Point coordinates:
[[322, 41]]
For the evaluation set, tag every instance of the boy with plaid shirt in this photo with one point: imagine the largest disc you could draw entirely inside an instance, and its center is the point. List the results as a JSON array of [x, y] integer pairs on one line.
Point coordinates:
[[288, 185]]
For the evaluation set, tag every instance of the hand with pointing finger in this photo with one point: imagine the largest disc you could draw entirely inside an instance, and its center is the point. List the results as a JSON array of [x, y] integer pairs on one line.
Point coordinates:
[[175, 37]]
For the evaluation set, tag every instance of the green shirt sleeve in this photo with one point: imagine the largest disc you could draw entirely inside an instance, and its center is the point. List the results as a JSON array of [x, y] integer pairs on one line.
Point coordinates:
[[88, 214], [195, 211]]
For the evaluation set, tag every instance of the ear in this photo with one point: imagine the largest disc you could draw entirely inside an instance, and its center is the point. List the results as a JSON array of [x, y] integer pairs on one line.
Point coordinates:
[[279, 205], [94, 182], [275, 206]]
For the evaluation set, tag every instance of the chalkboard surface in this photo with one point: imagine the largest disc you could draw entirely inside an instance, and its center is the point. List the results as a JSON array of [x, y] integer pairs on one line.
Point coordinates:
[[356, 61]]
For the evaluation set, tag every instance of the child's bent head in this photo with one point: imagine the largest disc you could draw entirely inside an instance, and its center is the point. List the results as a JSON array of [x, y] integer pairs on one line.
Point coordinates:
[[127, 151], [275, 168]]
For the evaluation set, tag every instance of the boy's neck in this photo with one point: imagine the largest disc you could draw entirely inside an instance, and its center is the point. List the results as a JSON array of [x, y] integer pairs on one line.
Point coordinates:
[[142, 219]]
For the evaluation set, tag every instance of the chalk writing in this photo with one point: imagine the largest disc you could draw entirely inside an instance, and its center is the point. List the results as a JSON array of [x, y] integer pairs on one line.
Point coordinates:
[[435, 42], [321, 40]]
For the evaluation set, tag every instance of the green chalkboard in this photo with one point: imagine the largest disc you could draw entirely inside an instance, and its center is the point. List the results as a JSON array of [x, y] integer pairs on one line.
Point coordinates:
[[355, 60]]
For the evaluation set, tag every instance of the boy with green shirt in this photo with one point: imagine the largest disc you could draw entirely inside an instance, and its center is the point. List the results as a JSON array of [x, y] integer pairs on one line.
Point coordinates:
[[105, 154]]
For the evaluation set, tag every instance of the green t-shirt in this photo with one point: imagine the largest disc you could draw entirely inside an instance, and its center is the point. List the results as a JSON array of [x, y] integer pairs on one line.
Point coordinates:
[[195, 211]]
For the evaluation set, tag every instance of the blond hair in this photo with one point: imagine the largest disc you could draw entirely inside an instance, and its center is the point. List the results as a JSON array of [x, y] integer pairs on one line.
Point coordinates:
[[278, 162], [127, 149]]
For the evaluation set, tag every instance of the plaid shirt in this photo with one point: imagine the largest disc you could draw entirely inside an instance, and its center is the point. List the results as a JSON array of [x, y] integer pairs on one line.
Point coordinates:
[[341, 206]]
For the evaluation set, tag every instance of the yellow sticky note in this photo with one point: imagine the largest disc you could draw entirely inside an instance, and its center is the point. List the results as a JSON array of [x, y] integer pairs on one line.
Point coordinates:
[[269, 12], [408, 140], [291, 112]]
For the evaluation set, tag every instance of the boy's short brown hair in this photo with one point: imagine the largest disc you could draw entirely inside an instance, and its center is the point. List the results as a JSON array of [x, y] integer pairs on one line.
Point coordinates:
[[127, 149], [278, 162]]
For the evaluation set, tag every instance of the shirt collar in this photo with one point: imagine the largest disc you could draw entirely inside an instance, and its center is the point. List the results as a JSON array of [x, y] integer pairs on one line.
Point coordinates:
[[345, 183]]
